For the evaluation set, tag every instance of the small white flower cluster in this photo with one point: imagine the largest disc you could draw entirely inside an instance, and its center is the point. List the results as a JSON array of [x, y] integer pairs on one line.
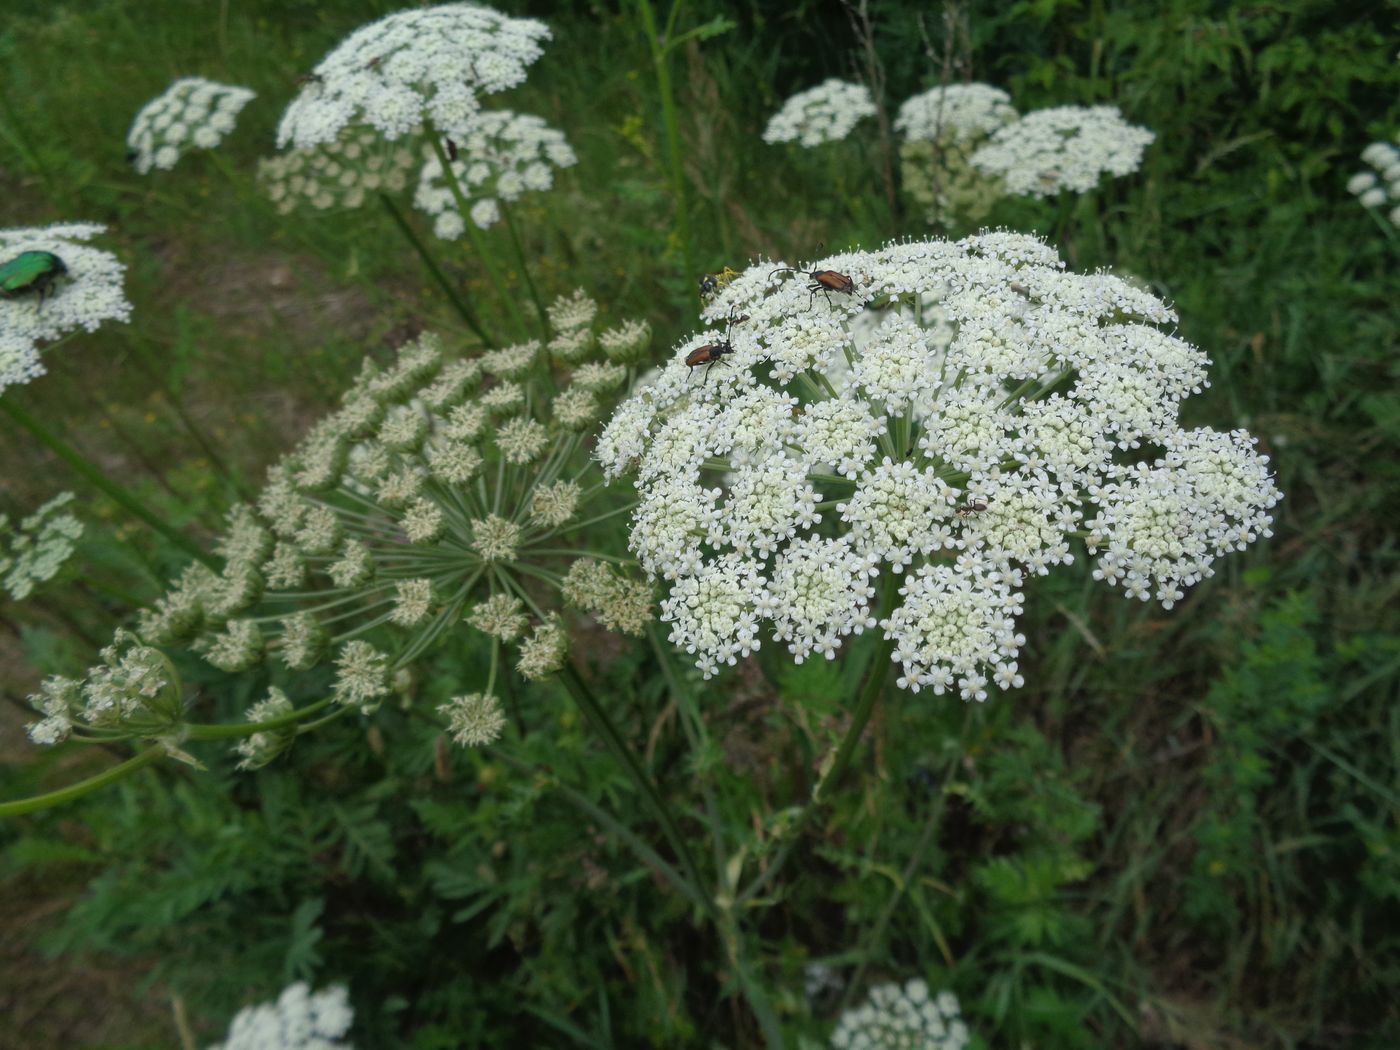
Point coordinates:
[[825, 113], [1063, 148], [950, 441], [86, 294], [192, 113], [474, 720], [299, 1020], [428, 64], [903, 1018], [500, 155], [34, 551], [134, 687], [954, 113], [1380, 187], [338, 174]]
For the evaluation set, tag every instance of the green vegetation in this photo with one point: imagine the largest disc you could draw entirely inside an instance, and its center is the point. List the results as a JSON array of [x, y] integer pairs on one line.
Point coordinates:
[[1184, 831]]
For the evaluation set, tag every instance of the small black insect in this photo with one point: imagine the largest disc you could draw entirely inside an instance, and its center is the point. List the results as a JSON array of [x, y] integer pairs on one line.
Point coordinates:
[[971, 507], [824, 281], [709, 285], [712, 354], [451, 149]]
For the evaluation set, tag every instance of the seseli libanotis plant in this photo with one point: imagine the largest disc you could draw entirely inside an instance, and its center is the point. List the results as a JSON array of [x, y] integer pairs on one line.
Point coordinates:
[[446, 493], [192, 113], [987, 414], [1063, 149]]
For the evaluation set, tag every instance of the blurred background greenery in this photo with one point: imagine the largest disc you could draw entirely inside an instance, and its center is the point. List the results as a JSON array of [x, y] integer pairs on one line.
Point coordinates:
[[1181, 833]]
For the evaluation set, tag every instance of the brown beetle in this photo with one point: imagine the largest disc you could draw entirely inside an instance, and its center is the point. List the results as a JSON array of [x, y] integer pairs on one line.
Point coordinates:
[[712, 354], [823, 281]]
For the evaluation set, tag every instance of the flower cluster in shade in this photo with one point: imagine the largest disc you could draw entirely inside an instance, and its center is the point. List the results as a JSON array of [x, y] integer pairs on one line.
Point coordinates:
[[963, 421], [1063, 149], [441, 495], [955, 112], [338, 174], [88, 294], [825, 113], [903, 1017], [500, 156], [420, 67], [192, 113], [36, 548], [299, 1019], [1380, 187], [942, 128]]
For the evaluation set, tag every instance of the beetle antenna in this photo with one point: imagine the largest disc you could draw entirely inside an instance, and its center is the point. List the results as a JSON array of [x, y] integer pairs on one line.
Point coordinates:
[[787, 269]]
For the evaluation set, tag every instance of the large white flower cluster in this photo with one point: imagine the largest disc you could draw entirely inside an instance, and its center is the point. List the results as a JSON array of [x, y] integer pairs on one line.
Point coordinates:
[[298, 1020], [1065, 148], [1379, 187], [192, 113], [825, 113], [428, 64], [88, 293], [954, 111], [500, 156], [904, 1017], [962, 420]]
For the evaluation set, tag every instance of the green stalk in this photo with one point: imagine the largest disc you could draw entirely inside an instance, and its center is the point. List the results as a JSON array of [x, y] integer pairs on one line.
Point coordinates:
[[235, 729], [460, 304], [488, 263], [83, 787], [671, 126], [101, 482], [525, 270]]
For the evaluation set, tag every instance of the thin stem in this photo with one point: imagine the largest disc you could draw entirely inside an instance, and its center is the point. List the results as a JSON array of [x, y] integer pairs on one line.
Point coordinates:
[[456, 300], [100, 481], [235, 729], [525, 270], [83, 787]]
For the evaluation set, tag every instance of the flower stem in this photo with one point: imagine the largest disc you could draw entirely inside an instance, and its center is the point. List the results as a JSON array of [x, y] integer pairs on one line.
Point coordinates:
[[100, 481], [456, 300], [235, 729], [525, 270], [83, 787]]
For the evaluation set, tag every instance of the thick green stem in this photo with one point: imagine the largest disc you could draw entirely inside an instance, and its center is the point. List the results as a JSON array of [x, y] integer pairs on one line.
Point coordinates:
[[658, 47], [100, 481], [83, 787], [460, 304]]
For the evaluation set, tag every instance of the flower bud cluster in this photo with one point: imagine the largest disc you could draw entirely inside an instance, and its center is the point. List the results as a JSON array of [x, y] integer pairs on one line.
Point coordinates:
[[906, 1017], [192, 113], [825, 113], [88, 293], [36, 549], [134, 688], [953, 426], [1380, 187]]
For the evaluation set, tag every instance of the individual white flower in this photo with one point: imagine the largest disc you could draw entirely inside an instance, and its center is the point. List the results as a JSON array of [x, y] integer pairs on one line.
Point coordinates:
[[954, 112], [950, 443], [298, 1020], [191, 112], [1063, 148], [81, 287], [825, 113], [426, 65], [38, 546], [500, 155], [903, 1017]]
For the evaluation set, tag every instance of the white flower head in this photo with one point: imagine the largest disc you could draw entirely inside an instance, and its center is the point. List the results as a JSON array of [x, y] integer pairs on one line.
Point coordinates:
[[425, 65], [825, 113], [954, 112], [298, 1020], [1379, 188], [53, 284], [38, 546], [941, 449], [192, 113], [1063, 148], [902, 1017], [337, 175]]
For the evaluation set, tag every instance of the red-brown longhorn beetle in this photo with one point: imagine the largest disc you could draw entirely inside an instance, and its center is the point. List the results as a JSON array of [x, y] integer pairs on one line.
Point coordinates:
[[712, 354], [823, 281]]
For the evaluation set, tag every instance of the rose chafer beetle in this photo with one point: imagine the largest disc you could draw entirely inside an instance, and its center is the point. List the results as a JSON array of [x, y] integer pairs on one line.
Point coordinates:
[[30, 272]]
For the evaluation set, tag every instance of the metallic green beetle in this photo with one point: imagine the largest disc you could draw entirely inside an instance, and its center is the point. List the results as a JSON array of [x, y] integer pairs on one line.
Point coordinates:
[[30, 272]]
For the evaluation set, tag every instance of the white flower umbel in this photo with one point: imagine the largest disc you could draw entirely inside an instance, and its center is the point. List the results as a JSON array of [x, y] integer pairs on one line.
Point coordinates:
[[954, 112], [426, 65], [825, 113], [500, 155], [1379, 188], [1064, 148], [940, 435], [298, 1020], [337, 175], [85, 293], [192, 113], [903, 1017], [34, 550]]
